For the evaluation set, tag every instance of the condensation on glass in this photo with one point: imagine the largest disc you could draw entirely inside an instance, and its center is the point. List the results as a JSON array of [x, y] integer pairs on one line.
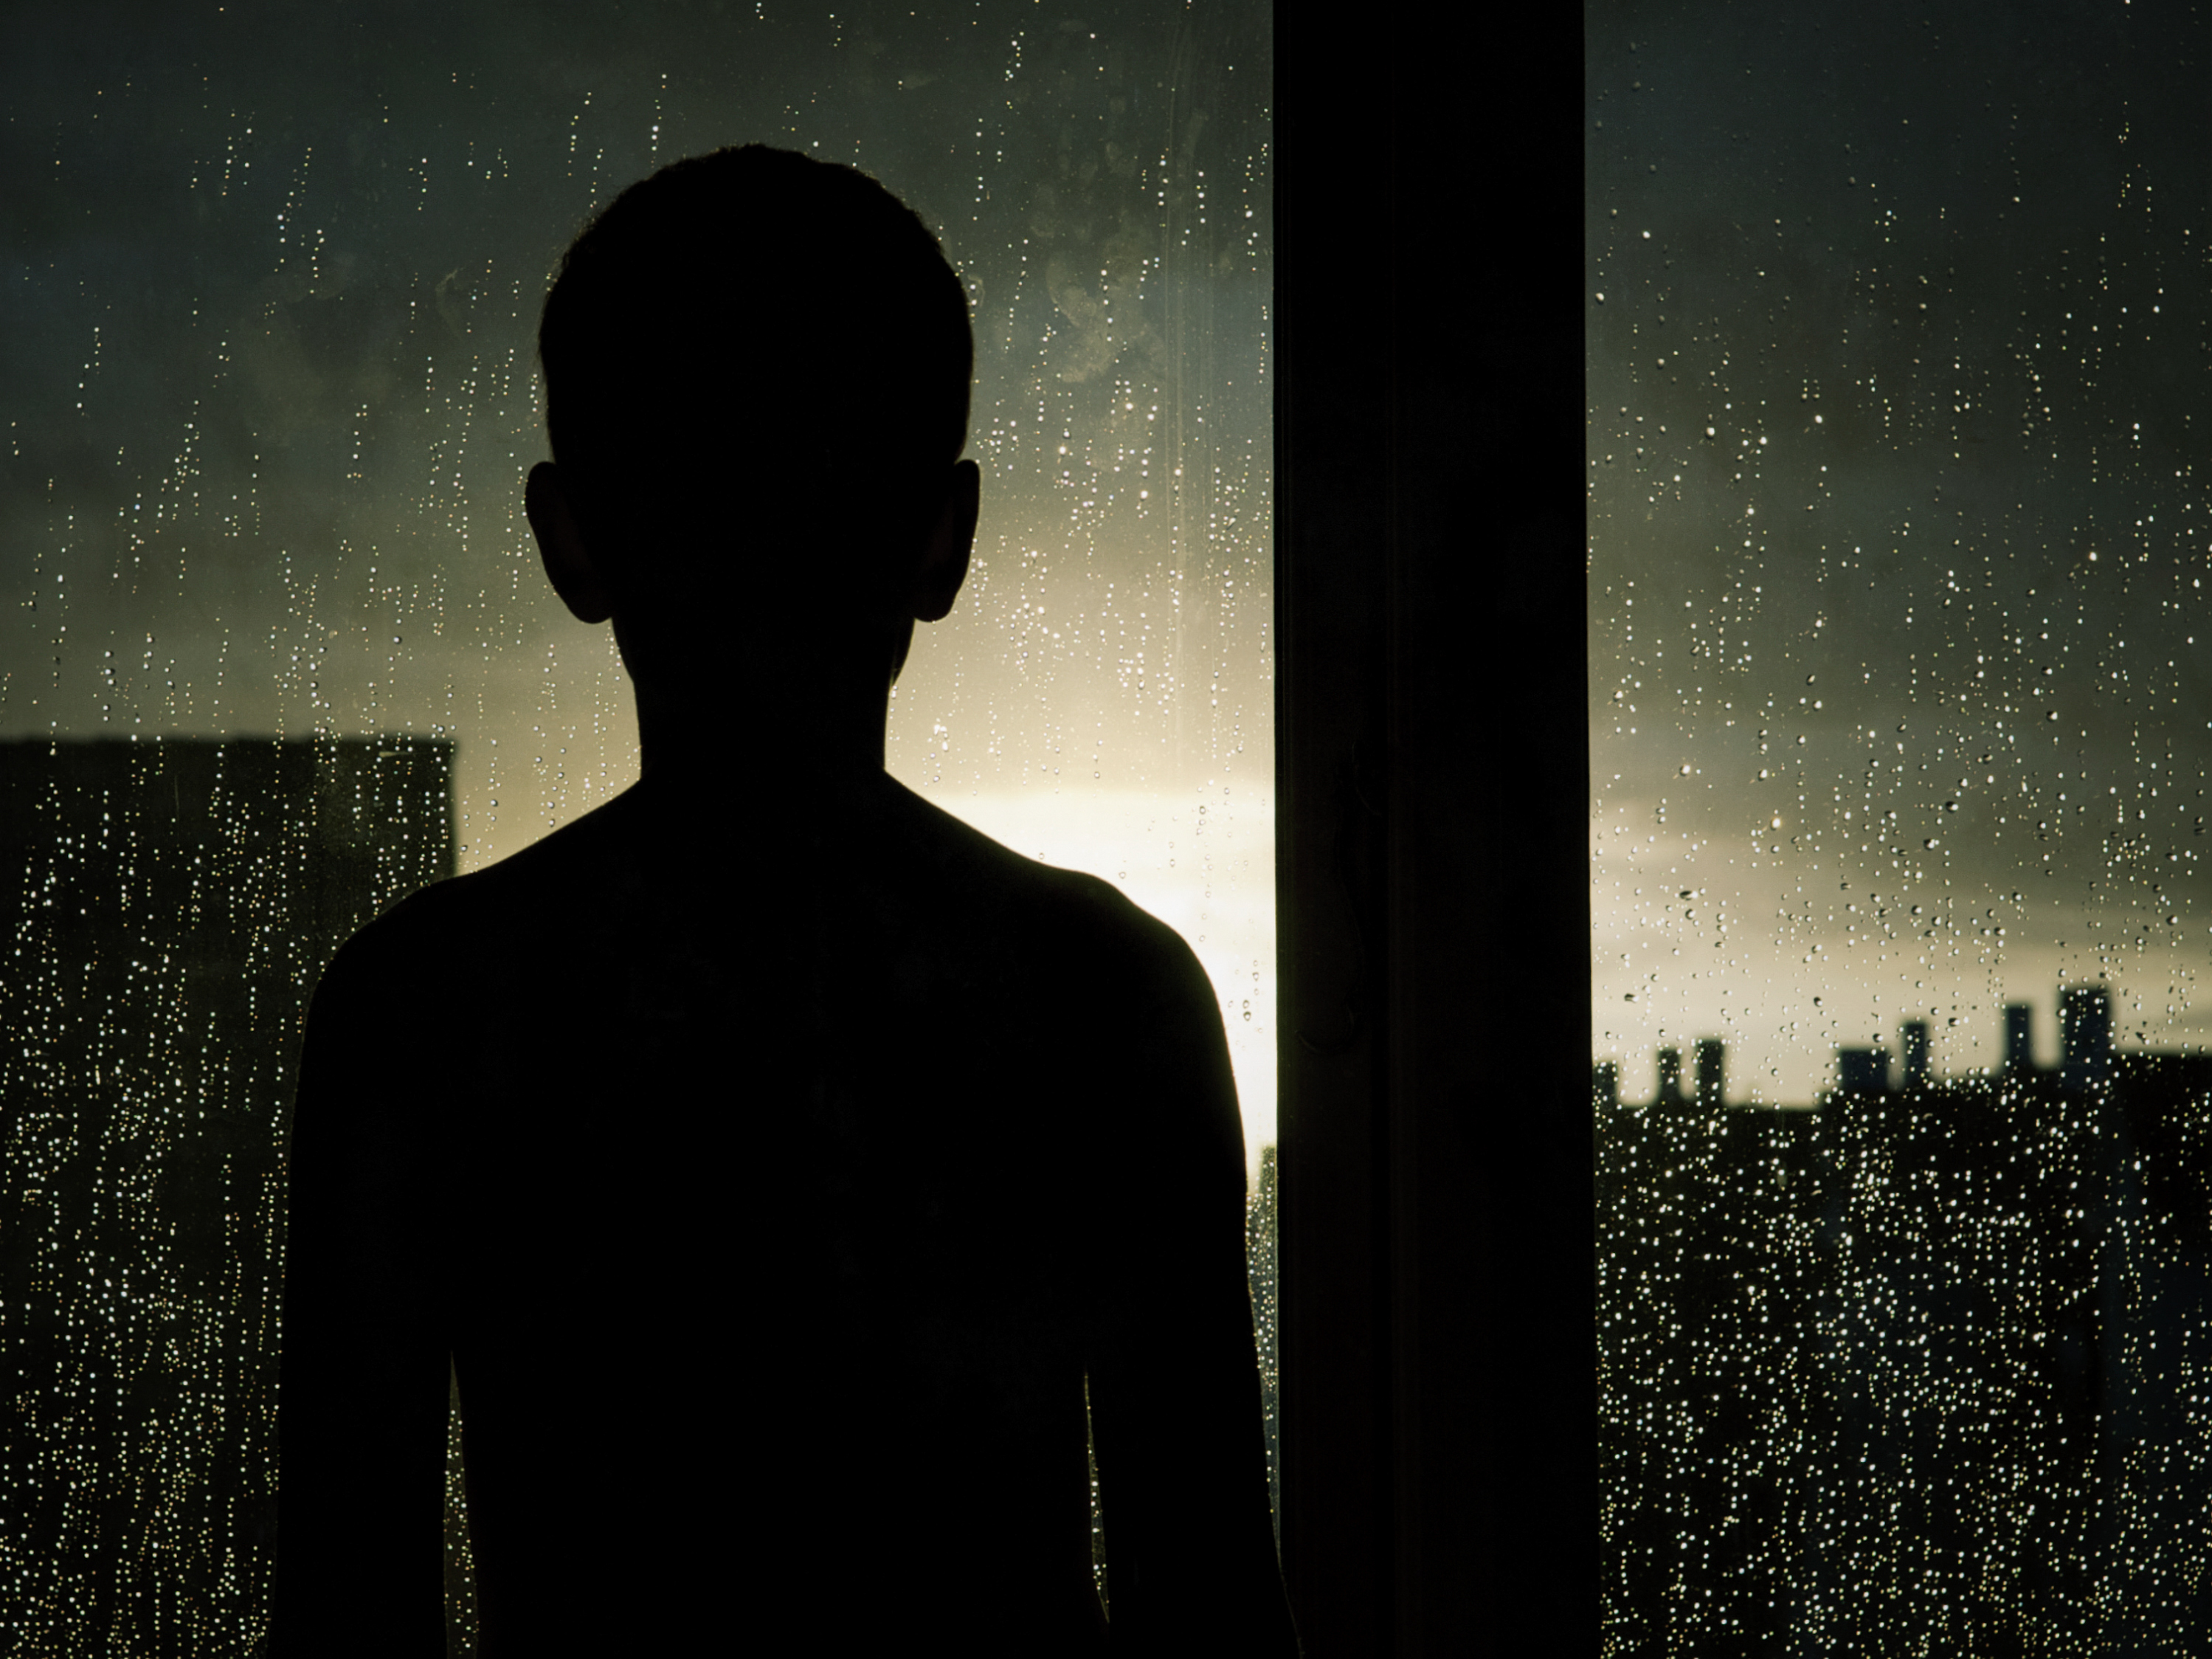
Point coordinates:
[[278, 649], [1897, 337]]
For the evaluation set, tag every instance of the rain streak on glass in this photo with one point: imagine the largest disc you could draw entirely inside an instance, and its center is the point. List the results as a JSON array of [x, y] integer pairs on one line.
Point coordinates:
[[277, 648], [1899, 536]]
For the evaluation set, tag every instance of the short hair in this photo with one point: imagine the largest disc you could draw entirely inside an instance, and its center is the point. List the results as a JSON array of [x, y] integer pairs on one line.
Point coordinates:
[[756, 330]]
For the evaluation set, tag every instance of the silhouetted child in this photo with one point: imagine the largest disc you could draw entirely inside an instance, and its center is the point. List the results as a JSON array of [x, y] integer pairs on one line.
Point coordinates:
[[781, 1162]]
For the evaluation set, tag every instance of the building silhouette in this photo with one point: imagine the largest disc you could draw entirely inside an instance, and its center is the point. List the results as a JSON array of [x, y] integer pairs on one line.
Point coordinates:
[[1711, 1083], [1914, 1047], [169, 904], [1261, 1259], [2019, 1039], [2084, 1036], [1915, 1363]]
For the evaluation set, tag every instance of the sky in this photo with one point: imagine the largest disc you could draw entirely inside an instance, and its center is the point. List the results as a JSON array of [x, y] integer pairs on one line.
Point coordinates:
[[272, 278], [1897, 365]]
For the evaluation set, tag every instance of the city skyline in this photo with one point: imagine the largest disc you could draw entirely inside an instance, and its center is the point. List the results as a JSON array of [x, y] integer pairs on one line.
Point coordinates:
[[1914, 1367], [2027, 1045]]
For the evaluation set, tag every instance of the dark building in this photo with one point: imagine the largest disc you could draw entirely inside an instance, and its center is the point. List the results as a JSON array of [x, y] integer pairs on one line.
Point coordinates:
[[1915, 1044], [1712, 1085], [2019, 1039], [1862, 1071], [2085, 1037], [169, 905], [1605, 1084], [1260, 1257]]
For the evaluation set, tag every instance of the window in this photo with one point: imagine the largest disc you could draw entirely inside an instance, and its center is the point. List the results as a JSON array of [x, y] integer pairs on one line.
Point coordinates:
[[277, 287], [1898, 749]]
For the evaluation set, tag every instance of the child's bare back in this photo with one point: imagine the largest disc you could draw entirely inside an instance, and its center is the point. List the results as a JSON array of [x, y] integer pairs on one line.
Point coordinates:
[[790, 1182]]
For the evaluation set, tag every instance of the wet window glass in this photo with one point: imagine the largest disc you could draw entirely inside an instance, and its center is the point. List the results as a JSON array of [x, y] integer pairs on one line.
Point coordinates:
[[1896, 350], [277, 648]]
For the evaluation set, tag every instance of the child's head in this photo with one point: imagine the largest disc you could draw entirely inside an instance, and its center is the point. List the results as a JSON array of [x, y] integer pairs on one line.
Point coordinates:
[[756, 379]]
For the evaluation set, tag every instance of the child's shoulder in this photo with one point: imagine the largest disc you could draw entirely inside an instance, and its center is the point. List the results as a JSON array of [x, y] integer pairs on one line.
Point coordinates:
[[987, 878], [895, 866]]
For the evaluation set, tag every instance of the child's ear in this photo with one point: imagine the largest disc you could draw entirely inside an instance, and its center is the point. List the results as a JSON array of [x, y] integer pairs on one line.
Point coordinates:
[[567, 561], [945, 563]]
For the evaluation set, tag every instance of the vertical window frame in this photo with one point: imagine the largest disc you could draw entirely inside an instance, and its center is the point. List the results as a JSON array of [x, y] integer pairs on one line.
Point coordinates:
[[1437, 1284]]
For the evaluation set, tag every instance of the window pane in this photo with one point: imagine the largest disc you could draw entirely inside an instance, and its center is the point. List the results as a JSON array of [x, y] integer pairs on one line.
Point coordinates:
[[1896, 343], [274, 286]]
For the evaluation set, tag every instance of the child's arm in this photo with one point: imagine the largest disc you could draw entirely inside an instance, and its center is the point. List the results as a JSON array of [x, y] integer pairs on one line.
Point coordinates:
[[1174, 1381], [363, 1377]]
